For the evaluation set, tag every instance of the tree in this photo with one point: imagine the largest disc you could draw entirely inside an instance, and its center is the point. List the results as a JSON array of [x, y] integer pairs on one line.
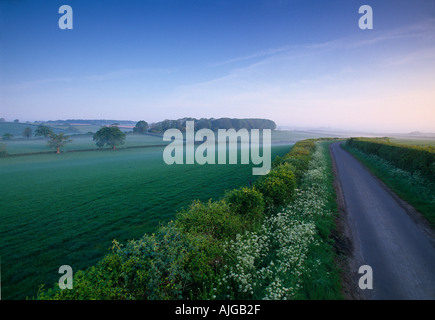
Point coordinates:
[[141, 127], [42, 131], [111, 136], [27, 132], [57, 141], [3, 152], [7, 136]]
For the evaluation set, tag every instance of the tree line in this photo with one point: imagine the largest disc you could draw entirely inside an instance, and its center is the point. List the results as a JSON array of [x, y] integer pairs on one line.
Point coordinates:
[[112, 136], [213, 124]]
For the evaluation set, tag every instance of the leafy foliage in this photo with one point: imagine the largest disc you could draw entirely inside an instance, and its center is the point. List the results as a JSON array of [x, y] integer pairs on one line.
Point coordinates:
[[57, 140], [111, 136], [410, 158], [246, 201], [141, 127], [213, 124], [216, 249], [278, 186], [27, 132], [166, 265], [42, 131], [215, 219]]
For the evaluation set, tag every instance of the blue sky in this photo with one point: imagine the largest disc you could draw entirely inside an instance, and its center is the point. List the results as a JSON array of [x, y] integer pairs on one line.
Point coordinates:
[[301, 63]]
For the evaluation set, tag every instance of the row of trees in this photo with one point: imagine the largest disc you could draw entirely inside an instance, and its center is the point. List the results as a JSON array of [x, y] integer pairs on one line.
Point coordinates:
[[213, 124], [41, 131], [107, 136], [112, 136]]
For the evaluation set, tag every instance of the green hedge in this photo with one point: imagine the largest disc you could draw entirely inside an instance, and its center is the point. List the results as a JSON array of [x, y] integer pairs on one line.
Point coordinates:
[[246, 202], [409, 158], [184, 259]]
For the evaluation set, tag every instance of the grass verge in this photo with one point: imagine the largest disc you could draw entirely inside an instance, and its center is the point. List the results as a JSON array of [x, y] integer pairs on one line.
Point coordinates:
[[411, 187]]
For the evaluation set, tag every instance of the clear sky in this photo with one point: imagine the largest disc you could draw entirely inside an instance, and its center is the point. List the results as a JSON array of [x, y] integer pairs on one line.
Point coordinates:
[[301, 63]]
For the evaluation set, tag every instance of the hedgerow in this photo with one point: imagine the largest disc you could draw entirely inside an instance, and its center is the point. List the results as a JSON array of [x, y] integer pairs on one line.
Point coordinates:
[[409, 158], [290, 256], [247, 245]]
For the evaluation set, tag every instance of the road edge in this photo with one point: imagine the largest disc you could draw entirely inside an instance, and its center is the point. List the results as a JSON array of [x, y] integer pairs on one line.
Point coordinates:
[[343, 243]]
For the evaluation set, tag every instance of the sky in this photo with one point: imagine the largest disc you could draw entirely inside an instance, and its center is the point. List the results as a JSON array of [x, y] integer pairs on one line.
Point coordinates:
[[301, 63]]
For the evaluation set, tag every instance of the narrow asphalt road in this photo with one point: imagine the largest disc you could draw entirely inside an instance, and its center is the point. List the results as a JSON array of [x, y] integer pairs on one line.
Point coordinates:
[[384, 236]]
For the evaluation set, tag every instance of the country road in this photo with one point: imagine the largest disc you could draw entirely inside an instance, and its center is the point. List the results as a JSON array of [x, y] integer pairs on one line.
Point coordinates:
[[384, 235]]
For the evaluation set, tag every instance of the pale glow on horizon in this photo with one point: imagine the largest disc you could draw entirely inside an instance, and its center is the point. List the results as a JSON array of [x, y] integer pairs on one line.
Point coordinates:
[[379, 80]]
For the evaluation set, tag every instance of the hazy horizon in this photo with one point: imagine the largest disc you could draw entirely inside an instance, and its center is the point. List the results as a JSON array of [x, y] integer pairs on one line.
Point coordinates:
[[299, 63]]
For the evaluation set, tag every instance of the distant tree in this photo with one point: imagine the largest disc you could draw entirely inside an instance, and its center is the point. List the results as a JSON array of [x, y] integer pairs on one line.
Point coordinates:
[[27, 132], [42, 131], [141, 127], [111, 136], [3, 152], [2, 120], [16, 121], [57, 141], [7, 136], [203, 123]]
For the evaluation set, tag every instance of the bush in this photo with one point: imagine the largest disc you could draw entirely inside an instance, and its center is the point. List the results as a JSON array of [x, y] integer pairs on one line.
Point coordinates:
[[278, 187], [215, 219], [162, 266], [245, 201]]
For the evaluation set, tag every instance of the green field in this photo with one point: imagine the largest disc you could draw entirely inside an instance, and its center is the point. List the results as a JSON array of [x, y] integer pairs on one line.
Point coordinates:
[[427, 142], [84, 142], [66, 209], [79, 142]]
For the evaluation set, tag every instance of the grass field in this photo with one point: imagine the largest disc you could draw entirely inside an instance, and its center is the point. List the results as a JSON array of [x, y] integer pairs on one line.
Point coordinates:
[[79, 142], [428, 142], [83, 142], [66, 209]]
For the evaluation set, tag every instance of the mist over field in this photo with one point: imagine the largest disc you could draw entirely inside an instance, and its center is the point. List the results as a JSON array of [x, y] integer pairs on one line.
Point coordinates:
[[95, 96]]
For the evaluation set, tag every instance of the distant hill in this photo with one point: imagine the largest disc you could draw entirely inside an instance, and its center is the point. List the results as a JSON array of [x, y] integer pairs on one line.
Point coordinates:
[[94, 122]]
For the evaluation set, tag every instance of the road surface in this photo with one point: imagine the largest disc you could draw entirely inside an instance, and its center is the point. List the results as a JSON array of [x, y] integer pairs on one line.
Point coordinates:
[[384, 235]]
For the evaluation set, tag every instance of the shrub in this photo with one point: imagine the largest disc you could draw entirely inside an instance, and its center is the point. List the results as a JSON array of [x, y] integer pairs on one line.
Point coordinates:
[[278, 186], [162, 266], [245, 201], [215, 219]]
